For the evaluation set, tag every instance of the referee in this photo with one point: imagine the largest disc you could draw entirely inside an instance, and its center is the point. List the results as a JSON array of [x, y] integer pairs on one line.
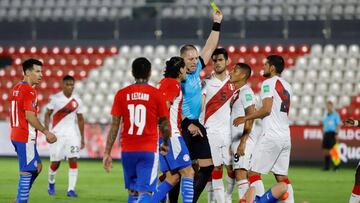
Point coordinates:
[[193, 132], [331, 124]]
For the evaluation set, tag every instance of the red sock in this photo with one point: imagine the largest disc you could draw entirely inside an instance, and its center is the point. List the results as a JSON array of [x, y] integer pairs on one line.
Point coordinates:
[[287, 181], [356, 189], [216, 174], [54, 166], [73, 165], [254, 178]]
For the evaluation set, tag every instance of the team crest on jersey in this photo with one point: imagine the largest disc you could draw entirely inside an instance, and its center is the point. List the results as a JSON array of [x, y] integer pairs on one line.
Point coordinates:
[[186, 157], [74, 104]]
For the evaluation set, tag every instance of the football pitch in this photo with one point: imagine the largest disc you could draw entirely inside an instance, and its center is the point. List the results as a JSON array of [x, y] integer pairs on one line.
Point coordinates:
[[96, 186]]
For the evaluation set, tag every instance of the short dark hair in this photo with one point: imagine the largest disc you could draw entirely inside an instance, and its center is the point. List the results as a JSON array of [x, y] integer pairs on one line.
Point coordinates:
[[219, 51], [68, 77], [29, 64], [141, 68], [186, 48], [246, 68], [172, 69], [277, 61]]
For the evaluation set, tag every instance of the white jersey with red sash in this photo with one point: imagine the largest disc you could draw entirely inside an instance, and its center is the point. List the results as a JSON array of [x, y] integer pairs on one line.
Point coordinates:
[[63, 119], [216, 113]]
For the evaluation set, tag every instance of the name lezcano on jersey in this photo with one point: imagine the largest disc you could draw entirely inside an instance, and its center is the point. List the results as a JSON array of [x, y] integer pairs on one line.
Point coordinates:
[[137, 96]]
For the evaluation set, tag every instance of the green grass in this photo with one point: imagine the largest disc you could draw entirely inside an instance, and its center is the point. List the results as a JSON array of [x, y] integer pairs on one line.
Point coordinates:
[[96, 186]]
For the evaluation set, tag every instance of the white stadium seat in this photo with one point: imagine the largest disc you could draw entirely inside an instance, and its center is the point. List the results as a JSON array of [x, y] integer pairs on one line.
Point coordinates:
[[311, 75], [329, 50]]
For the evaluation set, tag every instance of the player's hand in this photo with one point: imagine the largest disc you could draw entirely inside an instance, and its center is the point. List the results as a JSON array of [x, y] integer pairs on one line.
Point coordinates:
[[217, 16], [82, 144], [349, 122], [194, 130], [240, 151], [107, 162], [239, 120], [50, 137], [164, 149]]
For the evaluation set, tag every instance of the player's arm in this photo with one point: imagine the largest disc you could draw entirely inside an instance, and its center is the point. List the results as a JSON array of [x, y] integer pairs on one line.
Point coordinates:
[[265, 110], [115, 124], [247, 130], [203, 100], [81, 123], [34, 121], [213, 39], [164, 127], [47, 117]]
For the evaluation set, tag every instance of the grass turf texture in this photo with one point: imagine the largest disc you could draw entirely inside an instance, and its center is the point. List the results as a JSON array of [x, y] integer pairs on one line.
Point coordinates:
[[96, 186]]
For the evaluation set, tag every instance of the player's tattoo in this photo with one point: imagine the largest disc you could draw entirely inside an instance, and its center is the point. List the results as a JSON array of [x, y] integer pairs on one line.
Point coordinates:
[[112, 133], [164, 127]]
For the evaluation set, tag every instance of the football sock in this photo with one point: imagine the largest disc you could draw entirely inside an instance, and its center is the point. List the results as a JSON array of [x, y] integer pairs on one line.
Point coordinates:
[[73, 173], [290, 191], [203, 176], [243, 185], [187, 189], [218, 186], [161, 191], [174, 193], [23, 188], [258, 184], [230, 183]]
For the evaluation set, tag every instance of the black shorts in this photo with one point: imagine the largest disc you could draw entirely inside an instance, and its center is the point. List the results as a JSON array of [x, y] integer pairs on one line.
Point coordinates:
[[198, 146], [329, 140]]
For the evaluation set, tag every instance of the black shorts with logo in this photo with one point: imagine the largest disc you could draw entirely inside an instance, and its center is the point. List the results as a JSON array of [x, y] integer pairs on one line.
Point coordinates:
[[199, 147]]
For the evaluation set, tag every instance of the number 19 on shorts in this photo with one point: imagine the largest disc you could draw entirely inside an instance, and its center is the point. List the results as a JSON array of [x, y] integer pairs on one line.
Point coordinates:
[[137, 115]]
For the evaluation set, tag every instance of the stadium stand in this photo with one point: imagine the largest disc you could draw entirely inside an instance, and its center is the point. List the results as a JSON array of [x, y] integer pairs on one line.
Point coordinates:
[[317, 74]]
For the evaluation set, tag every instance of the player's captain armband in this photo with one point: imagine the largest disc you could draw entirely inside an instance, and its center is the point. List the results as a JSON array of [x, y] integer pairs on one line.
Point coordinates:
[[248, 97], [214, 6], [266, 88]]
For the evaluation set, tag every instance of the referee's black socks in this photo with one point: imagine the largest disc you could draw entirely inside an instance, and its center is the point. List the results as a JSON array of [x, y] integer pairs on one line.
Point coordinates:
[[201, 180]]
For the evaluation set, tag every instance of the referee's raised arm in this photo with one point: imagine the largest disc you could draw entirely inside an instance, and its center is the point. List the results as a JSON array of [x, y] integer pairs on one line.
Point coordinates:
[[213, 39]]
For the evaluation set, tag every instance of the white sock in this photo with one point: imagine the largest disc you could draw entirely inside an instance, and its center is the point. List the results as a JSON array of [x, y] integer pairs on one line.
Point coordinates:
[[354, 198], [230, 183], [290, 191], [259, 187], [243, 185], [73, 173], [210, 191], [52, 175], [219, 190]]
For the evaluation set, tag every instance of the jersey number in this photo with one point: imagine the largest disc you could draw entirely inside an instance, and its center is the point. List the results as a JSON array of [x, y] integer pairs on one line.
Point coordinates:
[[14, 114], [285, 97], [137, 117]]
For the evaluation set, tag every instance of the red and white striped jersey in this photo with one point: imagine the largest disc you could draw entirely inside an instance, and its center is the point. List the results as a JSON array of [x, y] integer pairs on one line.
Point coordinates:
[[64, 117], [171, 90], [23, 98], [216, 113]]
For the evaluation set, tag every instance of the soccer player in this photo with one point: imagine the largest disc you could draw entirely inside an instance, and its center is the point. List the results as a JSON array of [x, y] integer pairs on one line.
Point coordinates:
[[177, 160], [331, 124], [193, 132], [355, 195], [217, 91], [243, 140], [65, 111], [273, 195], [139, 108], [273, 146], [25, 125]]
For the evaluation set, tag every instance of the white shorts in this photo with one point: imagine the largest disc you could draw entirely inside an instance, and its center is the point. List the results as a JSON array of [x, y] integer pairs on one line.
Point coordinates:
[[220, 151], [242, 161], [272, 153], [68, 147]]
